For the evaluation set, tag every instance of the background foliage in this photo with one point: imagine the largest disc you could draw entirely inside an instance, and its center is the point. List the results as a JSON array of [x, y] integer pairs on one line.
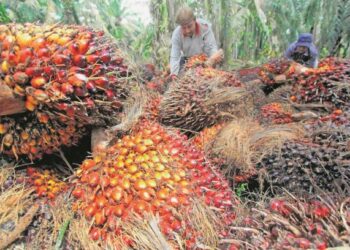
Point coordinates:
[[250, 31]]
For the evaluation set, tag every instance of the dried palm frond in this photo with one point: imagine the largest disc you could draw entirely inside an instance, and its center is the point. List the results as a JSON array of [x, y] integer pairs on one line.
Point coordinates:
[[145, 233], [243, 143], [203, 219], [78, 235]]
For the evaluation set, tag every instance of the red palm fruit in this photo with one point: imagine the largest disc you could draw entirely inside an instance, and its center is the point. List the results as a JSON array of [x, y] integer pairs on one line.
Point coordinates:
[[62, 106], [11, 58], [40, 95], [73, 48], [20, 77], [90, 85], [10, 81], [100, 218], [39, 43], [110, 94], [60, 59], [102, 82], [101, 201], [43, 118], [141, 206], [87, 164], [30, 106], [78, 192], [38, 82], [71, 111], [83, 46], [67, 88], [78, 80], [48, 70], [90, 211], [105, 57], [94, 179], [98, 70], [93, 58], [61, 76], [18, 90], [24, 55], [8, 42], [76, 69], [43, 52], [89, 103], [33, 71], [81, 92], [80, 61], [119, 210], [95, 233]]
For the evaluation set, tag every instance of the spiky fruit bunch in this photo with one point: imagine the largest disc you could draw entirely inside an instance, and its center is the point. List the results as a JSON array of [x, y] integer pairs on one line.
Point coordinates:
[[45, 182], [151, 171], [332, 132], [275, 113], [301, 167], [68, 76], [197, 101], [32, 137], [206, 136], [275, 67], [324, 84], [290, 223]]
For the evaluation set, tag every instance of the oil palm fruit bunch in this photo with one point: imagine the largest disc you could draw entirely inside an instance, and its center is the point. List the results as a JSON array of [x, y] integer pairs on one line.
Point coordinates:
[[306, 167], [275, 67], [326, 84], [149, 171], [275, 113], [45, 182], [194, 61], [198, 100], [68, 77], [291, 223], [331, 132]]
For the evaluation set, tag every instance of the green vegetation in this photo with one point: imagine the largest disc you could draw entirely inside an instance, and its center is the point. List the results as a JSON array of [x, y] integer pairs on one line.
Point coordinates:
[[249, 31]]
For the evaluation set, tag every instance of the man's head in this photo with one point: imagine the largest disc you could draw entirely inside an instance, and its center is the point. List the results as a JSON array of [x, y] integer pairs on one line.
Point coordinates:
[[187, 20], [302, 49], [304, 42]]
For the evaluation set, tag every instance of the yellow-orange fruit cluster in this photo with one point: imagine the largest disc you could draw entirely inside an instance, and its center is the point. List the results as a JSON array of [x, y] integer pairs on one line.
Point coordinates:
[[46, 184], [68, 77], [149, 171], [196, 61]]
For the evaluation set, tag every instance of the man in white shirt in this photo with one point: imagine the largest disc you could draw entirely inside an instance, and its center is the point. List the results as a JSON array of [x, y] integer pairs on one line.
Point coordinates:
[[192, 37]]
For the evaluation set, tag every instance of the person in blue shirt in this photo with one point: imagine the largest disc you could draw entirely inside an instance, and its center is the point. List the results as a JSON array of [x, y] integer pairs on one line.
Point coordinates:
[[303, 51]]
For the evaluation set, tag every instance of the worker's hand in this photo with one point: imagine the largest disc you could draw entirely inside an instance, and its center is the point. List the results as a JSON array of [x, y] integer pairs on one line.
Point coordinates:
[[173, 77], [216, 58]]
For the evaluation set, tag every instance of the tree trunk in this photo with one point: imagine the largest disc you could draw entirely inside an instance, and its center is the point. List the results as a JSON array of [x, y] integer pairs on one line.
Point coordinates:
[[70, 15], [9, 104]]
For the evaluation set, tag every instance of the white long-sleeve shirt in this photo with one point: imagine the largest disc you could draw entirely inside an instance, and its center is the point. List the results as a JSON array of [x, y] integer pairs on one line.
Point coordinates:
[[181, 46]]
